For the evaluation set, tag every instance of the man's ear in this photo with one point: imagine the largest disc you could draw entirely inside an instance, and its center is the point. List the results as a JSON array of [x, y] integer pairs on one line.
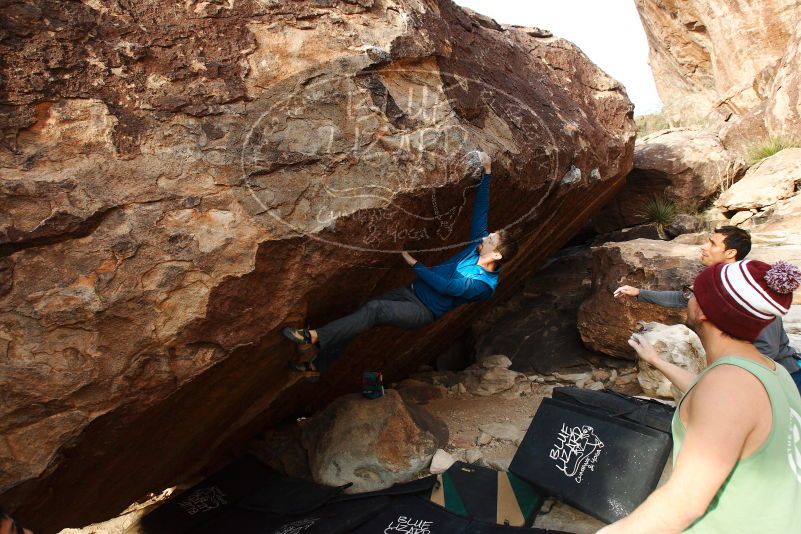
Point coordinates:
[[730, 253], [496, 256]]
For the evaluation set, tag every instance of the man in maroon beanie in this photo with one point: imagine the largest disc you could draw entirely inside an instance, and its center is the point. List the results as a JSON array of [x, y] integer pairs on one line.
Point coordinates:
[[737, 430]]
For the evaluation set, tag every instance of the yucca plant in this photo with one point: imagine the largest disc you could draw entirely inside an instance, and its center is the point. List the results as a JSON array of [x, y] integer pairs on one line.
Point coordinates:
[[768, 147], [661, 211]]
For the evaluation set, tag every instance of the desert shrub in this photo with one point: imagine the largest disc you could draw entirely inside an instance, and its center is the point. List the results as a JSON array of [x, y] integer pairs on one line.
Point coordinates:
[[765, 148], [660, 210]]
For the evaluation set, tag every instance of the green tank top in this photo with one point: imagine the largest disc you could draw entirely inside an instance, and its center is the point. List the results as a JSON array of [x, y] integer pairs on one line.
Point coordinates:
[[763, 492]]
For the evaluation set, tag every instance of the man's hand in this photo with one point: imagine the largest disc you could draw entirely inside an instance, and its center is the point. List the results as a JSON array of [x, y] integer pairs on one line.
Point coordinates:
[[644, 349], [408, 258], [626, 290], [485, 161]]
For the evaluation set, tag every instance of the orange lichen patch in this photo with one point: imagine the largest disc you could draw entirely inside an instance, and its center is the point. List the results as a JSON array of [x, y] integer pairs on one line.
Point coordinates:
[[391, 447], [42, 116], [108, 266]]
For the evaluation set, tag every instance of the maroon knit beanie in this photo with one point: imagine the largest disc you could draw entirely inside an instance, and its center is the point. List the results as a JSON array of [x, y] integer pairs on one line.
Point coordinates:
[[743, 297]]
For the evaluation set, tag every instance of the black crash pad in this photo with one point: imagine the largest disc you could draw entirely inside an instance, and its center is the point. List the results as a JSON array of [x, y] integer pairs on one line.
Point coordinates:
[[603, 465]]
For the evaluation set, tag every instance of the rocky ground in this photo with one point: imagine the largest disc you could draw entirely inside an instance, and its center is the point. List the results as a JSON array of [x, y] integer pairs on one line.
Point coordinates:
[[486, 409], [488, 421]]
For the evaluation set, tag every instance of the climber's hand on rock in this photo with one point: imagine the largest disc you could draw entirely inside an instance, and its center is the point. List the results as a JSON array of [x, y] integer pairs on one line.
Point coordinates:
[[408, 258], [626, 290], [644, 349], [486, 162]]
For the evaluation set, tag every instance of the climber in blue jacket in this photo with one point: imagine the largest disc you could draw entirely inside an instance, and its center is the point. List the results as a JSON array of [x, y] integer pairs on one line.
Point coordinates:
[[469, 276]]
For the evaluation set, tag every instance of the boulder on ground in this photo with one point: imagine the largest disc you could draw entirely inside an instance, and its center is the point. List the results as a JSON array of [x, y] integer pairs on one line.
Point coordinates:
[[487, 382], [371, 443], [773, 179], [606, 322], [685, 166], [676, 344], [503, 432], [495, 360]]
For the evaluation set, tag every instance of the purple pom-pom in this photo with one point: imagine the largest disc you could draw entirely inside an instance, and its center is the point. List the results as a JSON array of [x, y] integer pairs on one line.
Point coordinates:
[[783, 277]]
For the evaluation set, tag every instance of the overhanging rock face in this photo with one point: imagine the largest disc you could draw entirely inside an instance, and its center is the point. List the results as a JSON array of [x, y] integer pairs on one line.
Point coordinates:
[[178, 180]]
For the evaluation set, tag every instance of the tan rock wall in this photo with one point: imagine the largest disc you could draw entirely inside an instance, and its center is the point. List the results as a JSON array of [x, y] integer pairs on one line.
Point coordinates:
[[177, 181], [709, 54]]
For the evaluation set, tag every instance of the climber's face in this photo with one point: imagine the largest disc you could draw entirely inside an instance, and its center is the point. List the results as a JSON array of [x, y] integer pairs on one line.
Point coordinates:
[[489, 244]]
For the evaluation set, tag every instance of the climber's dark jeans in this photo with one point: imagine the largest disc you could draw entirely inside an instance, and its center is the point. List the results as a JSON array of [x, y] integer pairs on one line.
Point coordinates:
[[399, 307]]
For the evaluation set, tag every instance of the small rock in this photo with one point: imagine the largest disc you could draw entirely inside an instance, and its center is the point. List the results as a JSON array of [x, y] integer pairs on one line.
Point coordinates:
[[547, 391], [462, 443], [574, 377], [580, 383], [461, 388], [550, 379], [473, 456], [483, 439], [740, 217], [600, 375], [595, 386], [625, 379], [496, 360], [612, 376], [492, 381], [499, 464], [441, 462], [503, 432]]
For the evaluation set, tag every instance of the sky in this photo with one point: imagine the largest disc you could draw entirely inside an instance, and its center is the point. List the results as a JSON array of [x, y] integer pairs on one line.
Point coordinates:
[[608, 31]]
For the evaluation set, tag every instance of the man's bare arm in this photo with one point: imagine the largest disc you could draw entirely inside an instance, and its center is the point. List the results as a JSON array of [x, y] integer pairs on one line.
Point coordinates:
[[721, 414], [681, 378]]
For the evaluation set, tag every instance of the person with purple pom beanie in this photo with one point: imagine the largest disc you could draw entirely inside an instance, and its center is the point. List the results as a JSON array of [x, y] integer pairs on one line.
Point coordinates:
[[737, 428]]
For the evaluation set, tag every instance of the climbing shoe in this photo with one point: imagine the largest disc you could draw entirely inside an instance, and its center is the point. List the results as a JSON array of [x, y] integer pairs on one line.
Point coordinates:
[[301, 336]]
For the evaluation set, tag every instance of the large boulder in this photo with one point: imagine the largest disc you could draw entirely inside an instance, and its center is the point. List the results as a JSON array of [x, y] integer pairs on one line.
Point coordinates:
[[676, 344], [178, 183], [606, 323], [773, 179], [372, 444], [686, 166], [716, 54], [536, 328]]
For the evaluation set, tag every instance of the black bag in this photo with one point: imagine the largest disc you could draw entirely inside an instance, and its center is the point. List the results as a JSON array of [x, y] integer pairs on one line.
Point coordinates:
[[646, 412], [336, 518], [208, 499], [603, 465], [413, 514], [486, 528], [290, 496]]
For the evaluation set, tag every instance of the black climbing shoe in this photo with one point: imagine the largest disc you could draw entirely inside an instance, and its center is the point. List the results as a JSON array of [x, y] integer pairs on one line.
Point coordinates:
[[301, 336]]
